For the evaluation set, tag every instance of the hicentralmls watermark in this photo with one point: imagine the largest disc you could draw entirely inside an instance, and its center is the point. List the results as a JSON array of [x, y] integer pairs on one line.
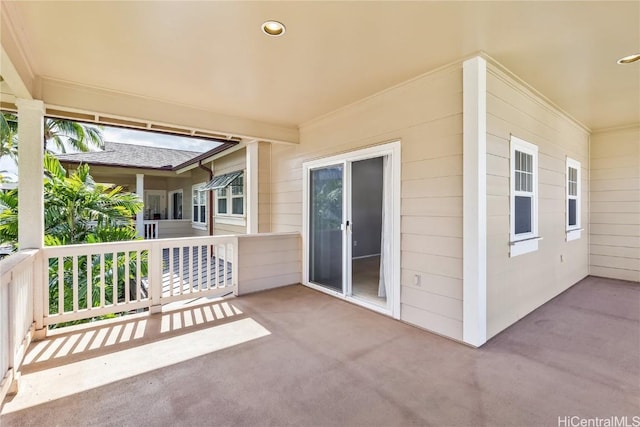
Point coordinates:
[[613, 421]]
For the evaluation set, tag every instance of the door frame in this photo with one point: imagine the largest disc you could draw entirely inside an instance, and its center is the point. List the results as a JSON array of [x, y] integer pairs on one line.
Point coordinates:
[[391, 149]]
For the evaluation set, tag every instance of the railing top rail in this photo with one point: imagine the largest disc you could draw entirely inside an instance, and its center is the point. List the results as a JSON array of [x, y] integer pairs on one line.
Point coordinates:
[[263, 235], [96, 248], [13, 262], [134, 245]]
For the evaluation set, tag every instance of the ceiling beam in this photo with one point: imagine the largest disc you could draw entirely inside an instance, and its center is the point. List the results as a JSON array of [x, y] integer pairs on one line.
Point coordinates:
[[75, 97]]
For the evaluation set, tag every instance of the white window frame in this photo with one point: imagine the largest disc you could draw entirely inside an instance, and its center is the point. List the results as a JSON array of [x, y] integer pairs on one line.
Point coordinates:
[[201, 225], [573, 231], [524, 242], [170, 203], [229, 217]]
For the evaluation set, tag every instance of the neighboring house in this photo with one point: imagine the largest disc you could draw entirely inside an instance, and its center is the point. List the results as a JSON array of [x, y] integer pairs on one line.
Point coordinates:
[[170, 181]]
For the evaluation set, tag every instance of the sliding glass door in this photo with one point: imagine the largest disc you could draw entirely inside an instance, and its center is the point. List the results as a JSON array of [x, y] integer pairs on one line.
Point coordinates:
[[352, 225], [326, 215]]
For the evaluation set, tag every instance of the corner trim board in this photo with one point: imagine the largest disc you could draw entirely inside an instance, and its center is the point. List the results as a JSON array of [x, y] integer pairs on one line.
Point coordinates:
[[474, 217]]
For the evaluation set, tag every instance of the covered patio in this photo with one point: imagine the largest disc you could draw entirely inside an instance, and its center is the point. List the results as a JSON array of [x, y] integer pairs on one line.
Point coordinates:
[[461, 90], [289, 357]]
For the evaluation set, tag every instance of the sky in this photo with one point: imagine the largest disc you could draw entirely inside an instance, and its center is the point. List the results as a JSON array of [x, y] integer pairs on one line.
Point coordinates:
[[129, 136]]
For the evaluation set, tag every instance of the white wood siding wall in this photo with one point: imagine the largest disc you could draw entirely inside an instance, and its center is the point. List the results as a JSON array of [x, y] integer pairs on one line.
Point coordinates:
[[235, 161], [426, 115], [268, 261], [518, 285], [172, 228], [264, 187], [615, 204]]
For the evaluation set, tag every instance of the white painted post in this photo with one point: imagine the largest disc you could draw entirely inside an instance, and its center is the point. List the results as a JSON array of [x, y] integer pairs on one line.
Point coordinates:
[[474, 202], [30, 174], [140, 215], [251, 187], [31, 197]]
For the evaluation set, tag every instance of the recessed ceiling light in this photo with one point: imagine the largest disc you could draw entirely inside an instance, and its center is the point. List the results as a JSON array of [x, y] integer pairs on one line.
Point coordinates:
[[273, 28], [629, 59]]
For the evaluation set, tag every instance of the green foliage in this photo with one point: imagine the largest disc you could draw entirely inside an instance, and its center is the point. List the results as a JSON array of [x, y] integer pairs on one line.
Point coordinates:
[[79, 136], [57, 132], [9, 135], [78, 210], [327, 203]]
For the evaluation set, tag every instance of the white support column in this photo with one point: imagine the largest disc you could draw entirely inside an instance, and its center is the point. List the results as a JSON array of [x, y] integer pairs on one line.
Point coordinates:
[[474, 217], [140, 215], [30, 174], [252, 187], [31, 198]]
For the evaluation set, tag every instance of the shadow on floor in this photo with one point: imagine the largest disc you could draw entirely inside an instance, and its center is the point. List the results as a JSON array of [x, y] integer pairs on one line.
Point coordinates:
[[299, 357]]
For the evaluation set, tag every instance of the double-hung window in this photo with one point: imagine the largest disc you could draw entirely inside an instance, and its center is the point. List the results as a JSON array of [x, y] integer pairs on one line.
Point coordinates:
[[524, 197], [573, 200], [230, 199], [229, 196], [199, 206]]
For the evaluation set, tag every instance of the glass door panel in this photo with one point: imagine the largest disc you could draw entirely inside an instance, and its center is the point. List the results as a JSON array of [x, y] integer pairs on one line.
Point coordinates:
[[325, 226]]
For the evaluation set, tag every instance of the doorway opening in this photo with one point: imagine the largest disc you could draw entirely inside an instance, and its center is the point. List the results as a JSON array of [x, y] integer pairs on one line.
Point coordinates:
[[367, 213]]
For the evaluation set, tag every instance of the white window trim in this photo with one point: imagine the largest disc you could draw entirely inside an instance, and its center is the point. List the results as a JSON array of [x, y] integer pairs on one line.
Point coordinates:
[[574, 231], [231, 218], [201, 225], [526, 242], [170, 203]]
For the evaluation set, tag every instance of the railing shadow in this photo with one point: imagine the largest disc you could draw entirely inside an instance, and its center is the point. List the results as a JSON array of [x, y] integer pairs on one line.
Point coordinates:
[[73, 344]]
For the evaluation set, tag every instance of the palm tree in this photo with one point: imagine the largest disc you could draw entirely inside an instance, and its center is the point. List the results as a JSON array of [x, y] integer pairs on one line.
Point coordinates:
[[79, 136], [75, 207], [61, 133], [78, 210]]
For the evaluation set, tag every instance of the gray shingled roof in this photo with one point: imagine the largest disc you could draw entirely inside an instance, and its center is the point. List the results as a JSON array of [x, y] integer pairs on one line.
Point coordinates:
[[129, 155]]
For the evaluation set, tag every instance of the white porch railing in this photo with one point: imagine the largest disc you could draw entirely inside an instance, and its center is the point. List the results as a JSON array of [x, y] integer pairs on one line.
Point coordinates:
[[151, 229], [16, 314], [87, 281]]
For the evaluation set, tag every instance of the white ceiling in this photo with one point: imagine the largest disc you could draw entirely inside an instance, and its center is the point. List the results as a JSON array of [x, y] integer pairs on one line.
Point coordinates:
[[212, 55]]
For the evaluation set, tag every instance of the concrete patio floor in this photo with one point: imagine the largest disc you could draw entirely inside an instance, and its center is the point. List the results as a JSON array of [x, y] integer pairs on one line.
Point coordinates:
[[293, 356]]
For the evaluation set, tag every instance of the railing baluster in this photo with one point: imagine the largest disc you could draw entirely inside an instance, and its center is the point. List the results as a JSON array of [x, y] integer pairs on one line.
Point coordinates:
[[216, 266], [89, 281], [138, 275], [75, 283], [181, 267], [126, 277], [198, 273], [170, 259], [102, 282], [114, 278], [228, 254], [60, 285], [191, 268], [47, 288], [208, 250]]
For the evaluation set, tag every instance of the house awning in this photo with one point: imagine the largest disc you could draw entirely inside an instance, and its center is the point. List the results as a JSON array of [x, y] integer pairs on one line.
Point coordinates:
[[221, 181]]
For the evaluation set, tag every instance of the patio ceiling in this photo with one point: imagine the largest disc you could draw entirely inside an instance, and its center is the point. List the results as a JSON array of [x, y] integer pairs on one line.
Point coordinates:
[[213, 56]]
